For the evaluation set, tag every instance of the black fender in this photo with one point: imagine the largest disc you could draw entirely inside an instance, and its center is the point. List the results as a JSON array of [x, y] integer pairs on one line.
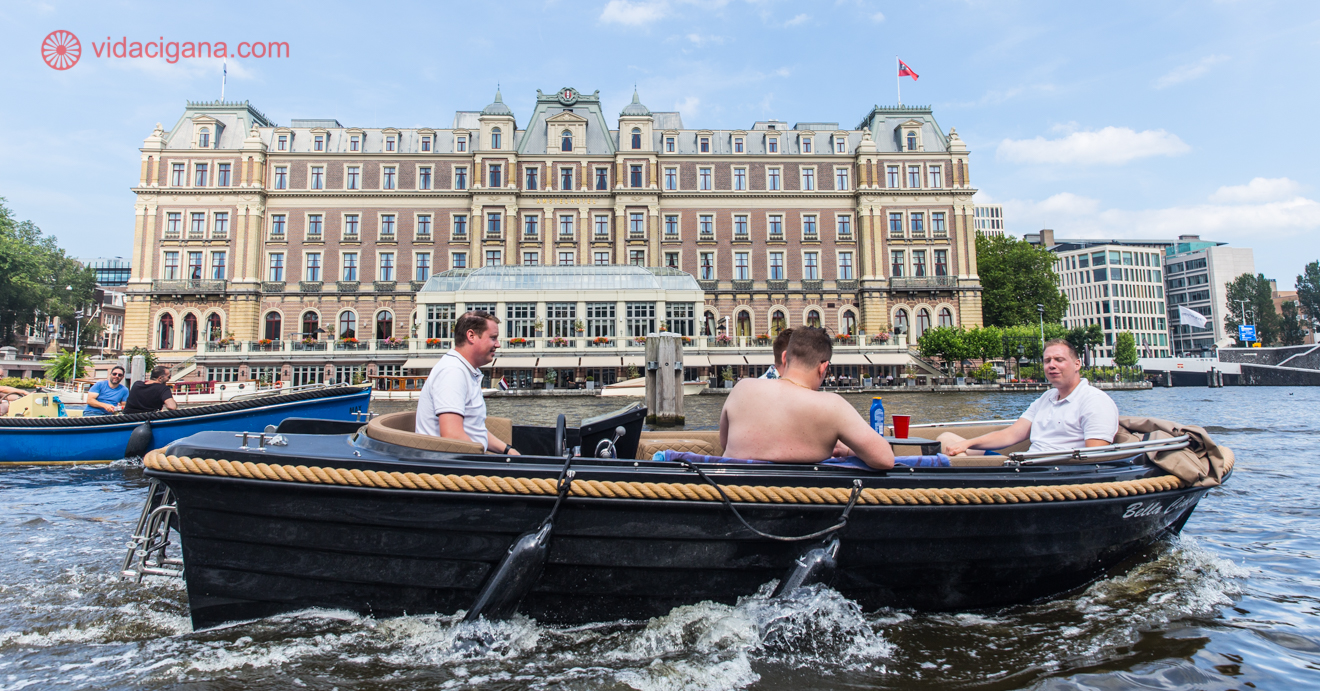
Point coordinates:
[[139, 442]]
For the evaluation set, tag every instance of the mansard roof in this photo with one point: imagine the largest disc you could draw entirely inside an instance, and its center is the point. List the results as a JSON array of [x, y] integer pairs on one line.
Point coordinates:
[[600, 141], [884, 123], [236, 118]]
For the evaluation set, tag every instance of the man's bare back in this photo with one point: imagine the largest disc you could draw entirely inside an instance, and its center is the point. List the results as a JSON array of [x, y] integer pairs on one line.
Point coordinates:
[[779, 420]]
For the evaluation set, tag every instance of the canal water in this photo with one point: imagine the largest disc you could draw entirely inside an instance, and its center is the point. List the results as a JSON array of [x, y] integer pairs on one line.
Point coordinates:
[[1234, 603]]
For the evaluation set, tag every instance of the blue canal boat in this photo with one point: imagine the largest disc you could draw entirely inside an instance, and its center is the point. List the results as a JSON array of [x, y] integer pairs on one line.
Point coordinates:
[[108, 437]]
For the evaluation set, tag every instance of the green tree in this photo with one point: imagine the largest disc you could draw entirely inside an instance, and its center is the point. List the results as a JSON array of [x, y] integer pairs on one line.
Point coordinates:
[[36, 278], [1308, 292], [1290, 328], [149, 359], [1125, 349], [1015, 277], [985, 343], [946, 343], [1082, 338], [61, 368], [1253, 292]]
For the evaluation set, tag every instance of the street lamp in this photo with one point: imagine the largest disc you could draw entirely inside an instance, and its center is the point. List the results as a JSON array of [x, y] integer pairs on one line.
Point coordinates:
[[77, 337], [1040, 309]]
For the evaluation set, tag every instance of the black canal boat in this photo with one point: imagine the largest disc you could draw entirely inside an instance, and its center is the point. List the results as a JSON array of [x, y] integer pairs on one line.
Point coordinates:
[[383, 521]]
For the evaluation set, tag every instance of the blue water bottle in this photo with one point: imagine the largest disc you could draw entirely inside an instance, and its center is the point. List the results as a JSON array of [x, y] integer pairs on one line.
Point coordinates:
[[878, 415]]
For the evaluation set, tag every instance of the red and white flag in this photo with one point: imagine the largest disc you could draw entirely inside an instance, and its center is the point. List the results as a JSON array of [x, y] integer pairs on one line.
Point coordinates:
[[905, 71]]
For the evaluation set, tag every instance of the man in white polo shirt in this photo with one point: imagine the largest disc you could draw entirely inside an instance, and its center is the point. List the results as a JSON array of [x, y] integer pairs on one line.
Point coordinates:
[[450, 404], [1069, 416]]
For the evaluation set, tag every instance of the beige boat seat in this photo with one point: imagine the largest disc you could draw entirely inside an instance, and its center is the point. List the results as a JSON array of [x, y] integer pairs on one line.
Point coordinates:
[[704, 442], [398, 428]]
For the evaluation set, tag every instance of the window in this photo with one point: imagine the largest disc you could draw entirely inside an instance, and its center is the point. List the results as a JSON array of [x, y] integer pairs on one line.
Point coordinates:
[[806, 145], [388, 175], [222, 171], [602, 259], [671, 178], [351, 228], [703, 178], [681, 317], [941, 262], [741, 271], [671, 260], [531, 178], [669, 144], [936, 179], [891, 174], [567, 259], [914, 177], [350, 266], [355, 143], [354, 178], [813, 319], [275, 262], [911, 141], [273, 326], [896, 263], [671, 227], [318, 143], [634, 176], [946, 317], [166, 332], [602, 226], [896, 225], [637, 257], [845, 266], [531, 227], [199, 180], [937, 224], [520, 319], [808, 178], [707, 262], [772, 145], [318, 178], [740, 227], [917, 222], [460, 178], [204, 138], [640, 318], [923, 321], [173, 220], [496, 138], [424, 178], [636, 138], [314, 227], [840, 145], [602, 178], [844, 225], [636, 224], [918, 262], [840, 178], [460, 260], [220, 227], [386, 269], [531, 258], [281, 178], [387, 227], [737, 145], [566, 226], [600, 319], [565, 178], [384, 325], [198, 228], [566, 141], [426, 144], [282, 143], [772, 178], [170, 269], [775, 224], [739, 178], [810, 265], [313, 266], [424, 227], [809, 227], [493, 258], [423, 270], [706, 225], [218, 266], [348, 324]]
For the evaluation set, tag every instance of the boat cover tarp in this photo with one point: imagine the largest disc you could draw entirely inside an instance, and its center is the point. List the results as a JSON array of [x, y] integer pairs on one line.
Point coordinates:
[[1202, 463]]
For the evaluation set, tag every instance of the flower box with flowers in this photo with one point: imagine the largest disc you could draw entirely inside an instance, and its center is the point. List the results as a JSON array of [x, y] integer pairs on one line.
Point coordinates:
[[433, 343], [519, 342], [558, 342], [880, 338], [723, 341], [845, 339], [763, 339], [392, 343], [602, 342], [639, 340], [687, 340]]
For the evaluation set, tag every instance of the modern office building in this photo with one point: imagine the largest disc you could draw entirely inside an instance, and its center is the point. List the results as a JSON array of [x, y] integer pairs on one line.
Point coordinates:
[[110, 272], [1117, 284], [989, 219], [1197, 276], [249, 231]]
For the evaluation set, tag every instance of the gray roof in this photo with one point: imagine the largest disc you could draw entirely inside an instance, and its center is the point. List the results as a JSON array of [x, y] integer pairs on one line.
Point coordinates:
[[754, 141], [314, 122], [636, 107], [600, 140], [236, 119], [667, 120], [884, 124], [549, 278], [498, 107]]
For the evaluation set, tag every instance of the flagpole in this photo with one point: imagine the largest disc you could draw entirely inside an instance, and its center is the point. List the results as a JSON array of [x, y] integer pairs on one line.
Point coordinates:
[[224, 77], [898, 82]]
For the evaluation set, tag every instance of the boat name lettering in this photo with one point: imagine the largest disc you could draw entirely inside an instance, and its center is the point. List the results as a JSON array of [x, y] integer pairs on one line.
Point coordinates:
[[1141, 508], [1180, 504]]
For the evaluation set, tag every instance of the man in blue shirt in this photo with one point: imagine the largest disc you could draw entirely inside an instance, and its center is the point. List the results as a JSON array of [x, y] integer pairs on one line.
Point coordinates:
[[107, 397]]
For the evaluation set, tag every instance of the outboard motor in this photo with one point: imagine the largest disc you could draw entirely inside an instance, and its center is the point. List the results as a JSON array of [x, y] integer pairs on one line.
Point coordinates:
[[816, 565]]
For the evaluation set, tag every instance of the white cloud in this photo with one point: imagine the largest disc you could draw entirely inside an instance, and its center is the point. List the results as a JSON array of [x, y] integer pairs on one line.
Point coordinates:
[[1189, 72], [1111, 145], [878, 17], [1258, 190], [699, 40], [689, 106], [632, 13], [797, 20]]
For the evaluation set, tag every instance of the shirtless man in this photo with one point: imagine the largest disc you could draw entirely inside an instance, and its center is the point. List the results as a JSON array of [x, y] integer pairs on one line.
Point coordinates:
[[787, 420]]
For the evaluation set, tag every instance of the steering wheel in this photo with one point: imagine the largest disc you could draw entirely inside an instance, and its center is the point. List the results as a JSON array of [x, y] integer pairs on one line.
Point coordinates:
[[561, 435]]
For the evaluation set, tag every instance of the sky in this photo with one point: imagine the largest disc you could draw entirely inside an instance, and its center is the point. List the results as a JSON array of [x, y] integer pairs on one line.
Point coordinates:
[[1098, 120]]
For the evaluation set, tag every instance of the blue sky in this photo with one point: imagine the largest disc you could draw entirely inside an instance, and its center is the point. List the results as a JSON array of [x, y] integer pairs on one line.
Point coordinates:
[[1116, 119]]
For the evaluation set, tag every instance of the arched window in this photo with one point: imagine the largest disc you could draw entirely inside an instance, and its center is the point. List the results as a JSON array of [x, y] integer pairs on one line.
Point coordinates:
[[813, 319], [565, 141], [708, 324], [204, 138], [348, 324], [166, 332], [901, 322], [495, 138], [912, 141], [744, 325], [273, 324], [384, 325], [311, 323], [777, 323], [189, 331], [850, 323], [923, 321], [637, 138], [946, 317], [213, 331]]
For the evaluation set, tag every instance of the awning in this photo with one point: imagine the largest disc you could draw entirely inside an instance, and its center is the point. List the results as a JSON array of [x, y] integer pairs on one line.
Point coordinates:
[[761, 359], [889, 358], [600, 361], [634, 360], [849, 359], [695, 360], [558, 361], [727, 360], [421, 363], [513, 361]]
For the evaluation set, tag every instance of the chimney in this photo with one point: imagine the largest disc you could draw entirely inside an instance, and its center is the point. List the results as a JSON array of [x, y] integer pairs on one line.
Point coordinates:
[[1046, 238]]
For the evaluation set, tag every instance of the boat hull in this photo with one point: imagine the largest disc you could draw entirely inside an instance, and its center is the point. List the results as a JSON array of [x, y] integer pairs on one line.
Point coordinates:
[[254, 548], [107, 441]]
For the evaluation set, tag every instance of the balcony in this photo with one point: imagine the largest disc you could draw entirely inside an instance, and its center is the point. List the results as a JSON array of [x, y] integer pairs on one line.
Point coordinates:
[[776, 285], [309, 286], [347, 286], [849, 285], [922, 282], [813, 284], [709, 286], [391, 344], [189, 287], [272, 286], [742, 286], [310, 345], [415, 286], [352, 344], [384, 286]]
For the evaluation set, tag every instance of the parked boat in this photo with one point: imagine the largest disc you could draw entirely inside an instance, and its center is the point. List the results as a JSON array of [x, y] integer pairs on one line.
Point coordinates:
[[111, 437], [637, 387]]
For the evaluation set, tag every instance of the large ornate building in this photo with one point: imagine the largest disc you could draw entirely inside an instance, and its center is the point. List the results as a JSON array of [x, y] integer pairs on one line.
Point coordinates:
[[253, 231]]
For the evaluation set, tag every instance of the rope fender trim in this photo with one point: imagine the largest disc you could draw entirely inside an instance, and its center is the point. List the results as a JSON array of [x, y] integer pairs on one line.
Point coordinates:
[[608, 489]]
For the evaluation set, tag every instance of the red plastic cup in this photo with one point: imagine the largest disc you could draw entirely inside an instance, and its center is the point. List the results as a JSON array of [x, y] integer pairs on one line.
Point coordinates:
[[901, 423]]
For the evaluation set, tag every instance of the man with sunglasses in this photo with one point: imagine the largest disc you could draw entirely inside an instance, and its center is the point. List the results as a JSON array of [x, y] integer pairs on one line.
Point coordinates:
[[107, 397]]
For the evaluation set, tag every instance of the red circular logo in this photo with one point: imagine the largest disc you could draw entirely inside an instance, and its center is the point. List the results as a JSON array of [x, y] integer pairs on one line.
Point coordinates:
[[61, 50]]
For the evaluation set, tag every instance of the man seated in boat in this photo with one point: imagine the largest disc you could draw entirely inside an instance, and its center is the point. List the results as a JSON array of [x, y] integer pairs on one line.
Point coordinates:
[[150, 395], [778, 347], [450, 404], [106, 397], [1071, 415], [788, 420], [9, 394]]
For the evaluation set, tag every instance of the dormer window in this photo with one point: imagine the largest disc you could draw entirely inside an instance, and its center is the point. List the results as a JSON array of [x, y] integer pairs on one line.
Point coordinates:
[[460, 144], [772, 145], [389, 143], [637, 138], [318, 143], [806, 145], [737, 145], [911, 141], [204, 138], [355, 143], [282, 143], [669, 144], [565, 141], [704, 145], [426, 143], [840, 145], [495, 138]]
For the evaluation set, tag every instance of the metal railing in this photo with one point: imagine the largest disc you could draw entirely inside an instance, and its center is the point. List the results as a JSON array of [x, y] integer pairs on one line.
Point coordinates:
[[923, 282], [1091, 454]]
